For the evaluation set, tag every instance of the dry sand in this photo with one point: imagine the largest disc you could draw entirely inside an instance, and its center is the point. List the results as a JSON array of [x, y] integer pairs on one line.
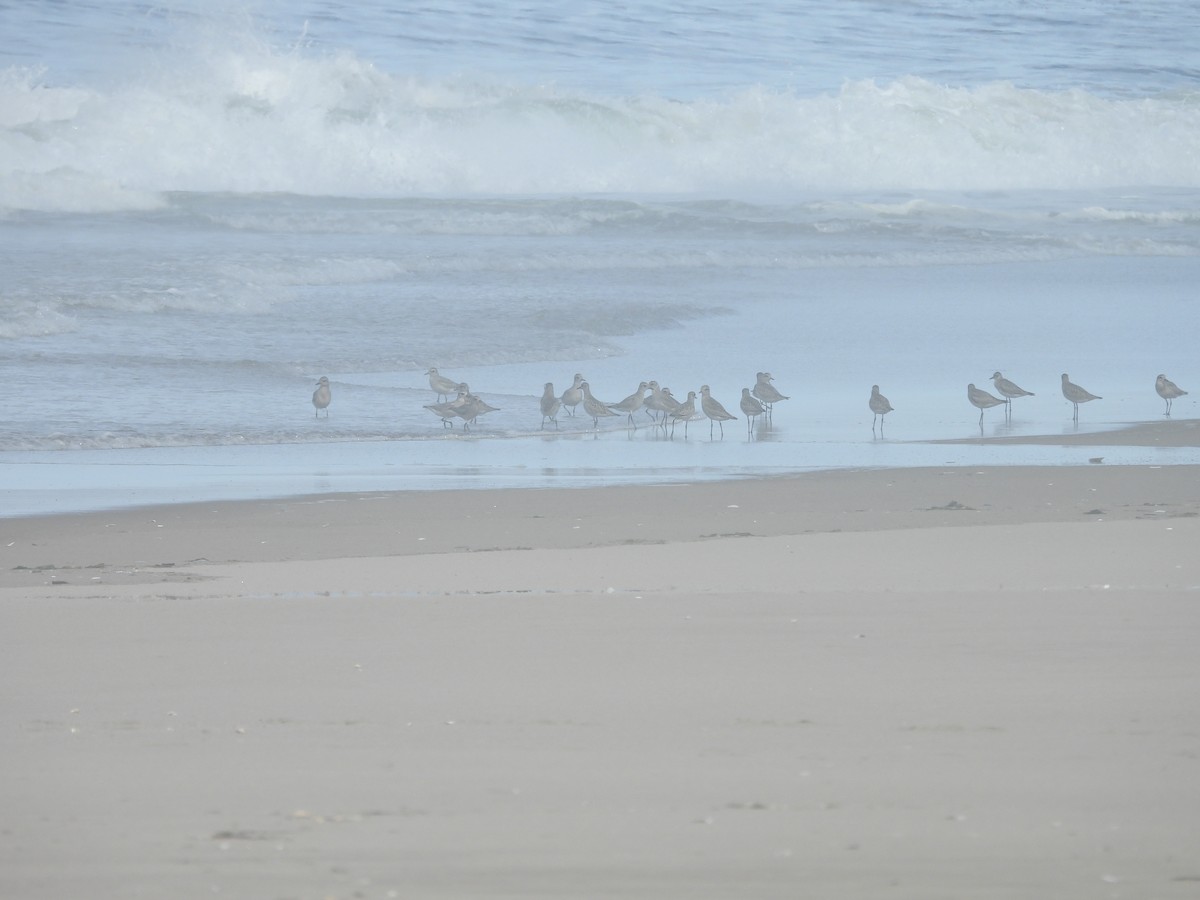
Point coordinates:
[[912, 684]]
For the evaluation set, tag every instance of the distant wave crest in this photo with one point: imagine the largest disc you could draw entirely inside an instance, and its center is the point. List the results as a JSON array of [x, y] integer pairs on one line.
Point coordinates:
[[254, 120]]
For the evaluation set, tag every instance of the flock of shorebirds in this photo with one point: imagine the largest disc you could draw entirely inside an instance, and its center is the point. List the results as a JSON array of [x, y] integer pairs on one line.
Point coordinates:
[[1076, 394], [455, 401], [656, 401]]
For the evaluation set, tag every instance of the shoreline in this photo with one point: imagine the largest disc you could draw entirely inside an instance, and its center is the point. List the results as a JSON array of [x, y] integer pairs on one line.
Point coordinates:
[[153, 542], [64, 484]]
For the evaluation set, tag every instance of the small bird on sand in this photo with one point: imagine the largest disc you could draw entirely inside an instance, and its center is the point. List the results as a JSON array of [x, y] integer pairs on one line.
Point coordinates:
[[1076, 394], [982, 400], [321, 397], [1168, 390], [879, 406]]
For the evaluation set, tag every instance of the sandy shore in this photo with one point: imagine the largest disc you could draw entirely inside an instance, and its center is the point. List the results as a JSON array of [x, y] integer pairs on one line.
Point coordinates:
[[937, 683]]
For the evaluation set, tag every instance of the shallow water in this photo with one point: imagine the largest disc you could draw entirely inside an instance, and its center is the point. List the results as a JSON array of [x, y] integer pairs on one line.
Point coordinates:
[[204, 208]]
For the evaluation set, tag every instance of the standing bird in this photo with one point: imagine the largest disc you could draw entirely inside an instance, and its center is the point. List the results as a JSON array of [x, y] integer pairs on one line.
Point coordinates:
[[684, 412], [592, 406], [550, 405], [473, 408], [1008, 390], [655, 402], [448, 410], [1168, 390], [880, 407], [765, 391], [1076, 394], [752, 409], [714, 410], [982, 400], [441, 385], [632, 403], [321, 397], [573, 396]]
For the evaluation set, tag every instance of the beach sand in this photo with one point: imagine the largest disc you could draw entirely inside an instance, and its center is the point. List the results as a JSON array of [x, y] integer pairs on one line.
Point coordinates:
[[934, 683]]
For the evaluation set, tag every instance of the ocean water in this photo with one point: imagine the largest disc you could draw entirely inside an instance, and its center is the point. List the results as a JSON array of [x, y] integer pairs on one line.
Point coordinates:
[[206, 206]]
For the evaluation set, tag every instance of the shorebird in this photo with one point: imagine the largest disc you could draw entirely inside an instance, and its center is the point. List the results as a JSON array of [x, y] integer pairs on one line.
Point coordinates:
[[752, 409], [714, 410], [655, 403], [451, 409], [880, 406], [440, 384], [472, 408], [684, 412], [632, 403], [321, 397], [1167, 389], [766, 392], [1008, 390], [592, 406], [982, 399], [550, 405], [573, 396], [1076, 394]]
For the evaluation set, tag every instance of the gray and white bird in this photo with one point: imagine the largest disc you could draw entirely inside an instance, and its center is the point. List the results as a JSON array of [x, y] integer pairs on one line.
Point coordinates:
[[450, 410], [550, 405], [982, 400], [632, 403], [592, 406], [441, 385], [472, 409], [573, 396], [880, 406], [655, 403], [684, 412], [1076, 394], [322, 397], [1007, 389], [751, 408], [714, 410], [1168, 390], [766, 392]]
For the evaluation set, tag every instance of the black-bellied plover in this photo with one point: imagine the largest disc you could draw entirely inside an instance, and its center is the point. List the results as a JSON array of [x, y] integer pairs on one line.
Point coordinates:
[[441, 385], [550, 405], [714, 410], [982, 400], [632, 403], [321, 397], [1008, 390], [1076, 394], [684, 412], [573, 396], [592, 406], [1168, 390], [766, 392], [752, 408], [880, 406]]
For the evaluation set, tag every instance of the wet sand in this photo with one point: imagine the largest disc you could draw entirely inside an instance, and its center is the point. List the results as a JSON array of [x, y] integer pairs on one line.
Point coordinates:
[[913, 683]]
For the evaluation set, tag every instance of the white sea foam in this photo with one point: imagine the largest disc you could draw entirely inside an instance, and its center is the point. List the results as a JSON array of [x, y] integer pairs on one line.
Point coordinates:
[[254, 120]]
